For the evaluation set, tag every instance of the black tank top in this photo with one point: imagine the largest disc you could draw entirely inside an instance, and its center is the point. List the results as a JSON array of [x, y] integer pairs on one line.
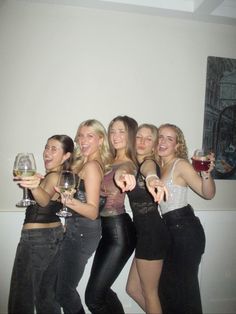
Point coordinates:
[[141, 201], [37, 214], [80, 195]]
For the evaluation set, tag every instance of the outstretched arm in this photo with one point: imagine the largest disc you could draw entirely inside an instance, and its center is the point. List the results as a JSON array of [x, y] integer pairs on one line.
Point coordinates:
[[154, 185], [124, 177]]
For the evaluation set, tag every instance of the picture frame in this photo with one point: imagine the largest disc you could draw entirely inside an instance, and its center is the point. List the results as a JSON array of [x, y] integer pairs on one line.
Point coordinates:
[[219, 130]]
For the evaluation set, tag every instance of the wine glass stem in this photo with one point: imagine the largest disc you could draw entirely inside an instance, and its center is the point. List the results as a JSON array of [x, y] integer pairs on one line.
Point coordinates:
[[64, 204], [25, 194]]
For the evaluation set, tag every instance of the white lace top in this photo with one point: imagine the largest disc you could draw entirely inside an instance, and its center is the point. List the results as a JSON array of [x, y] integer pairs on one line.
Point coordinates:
[[177, 197]]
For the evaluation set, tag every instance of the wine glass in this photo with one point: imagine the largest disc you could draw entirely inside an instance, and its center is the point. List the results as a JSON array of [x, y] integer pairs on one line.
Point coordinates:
[[200, 160], [66, 185], [24, 166]]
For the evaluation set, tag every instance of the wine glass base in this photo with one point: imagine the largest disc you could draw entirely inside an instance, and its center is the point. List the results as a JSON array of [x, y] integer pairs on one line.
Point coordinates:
[[64, 213], [25, 203]]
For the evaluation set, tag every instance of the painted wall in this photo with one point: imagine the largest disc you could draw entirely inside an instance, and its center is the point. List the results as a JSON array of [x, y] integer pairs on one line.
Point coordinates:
[[61, 65]]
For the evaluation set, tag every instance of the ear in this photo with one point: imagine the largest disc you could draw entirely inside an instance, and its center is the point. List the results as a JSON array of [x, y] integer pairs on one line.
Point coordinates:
[[66, 156], [176, 147]]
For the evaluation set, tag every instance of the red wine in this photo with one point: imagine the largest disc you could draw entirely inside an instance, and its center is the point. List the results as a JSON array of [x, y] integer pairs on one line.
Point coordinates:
[[200, 165]]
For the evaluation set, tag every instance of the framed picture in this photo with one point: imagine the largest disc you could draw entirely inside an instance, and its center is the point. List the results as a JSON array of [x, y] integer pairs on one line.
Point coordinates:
[[219, 130]]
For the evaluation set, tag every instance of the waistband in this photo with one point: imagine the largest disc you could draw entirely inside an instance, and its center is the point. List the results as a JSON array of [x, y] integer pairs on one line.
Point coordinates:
[[180, 213], [76, 216], [123, 216], [45, 232]]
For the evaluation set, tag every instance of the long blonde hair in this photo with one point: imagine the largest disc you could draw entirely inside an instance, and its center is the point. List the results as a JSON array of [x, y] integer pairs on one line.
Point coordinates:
[[154, 131], [104, 151]]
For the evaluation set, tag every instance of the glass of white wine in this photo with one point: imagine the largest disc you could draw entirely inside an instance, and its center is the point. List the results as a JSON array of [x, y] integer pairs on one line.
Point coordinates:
[[24, 166], [66, 184]]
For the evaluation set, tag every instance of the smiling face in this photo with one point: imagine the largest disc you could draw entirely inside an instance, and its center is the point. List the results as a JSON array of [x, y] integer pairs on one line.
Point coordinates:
[[54, 155], [89, 141], [118, 135], [167, 144]]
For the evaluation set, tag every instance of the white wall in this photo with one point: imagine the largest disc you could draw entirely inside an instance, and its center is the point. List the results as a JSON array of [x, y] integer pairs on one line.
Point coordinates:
[[62, 64]]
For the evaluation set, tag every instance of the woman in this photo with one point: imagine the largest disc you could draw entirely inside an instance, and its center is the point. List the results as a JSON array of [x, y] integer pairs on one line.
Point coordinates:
[[144, 191], [36, 262], [83, 228], [179, 288], [118, 233]]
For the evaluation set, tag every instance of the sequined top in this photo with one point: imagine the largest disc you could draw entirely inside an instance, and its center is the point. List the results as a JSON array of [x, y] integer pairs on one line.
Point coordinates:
[[115, 198], [177, 197]]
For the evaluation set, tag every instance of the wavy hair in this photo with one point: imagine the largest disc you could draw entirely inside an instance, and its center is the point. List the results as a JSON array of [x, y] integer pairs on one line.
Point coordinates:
[[104, 150], [182, 150]]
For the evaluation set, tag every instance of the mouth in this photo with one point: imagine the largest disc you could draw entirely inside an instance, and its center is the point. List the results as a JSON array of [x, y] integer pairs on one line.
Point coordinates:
[[84, 148], [162, 148]]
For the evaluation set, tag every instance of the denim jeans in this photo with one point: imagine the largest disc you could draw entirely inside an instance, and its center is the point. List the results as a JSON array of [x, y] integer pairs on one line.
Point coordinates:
[[81, 240], [179, 286], [34, 274], [114, 249]]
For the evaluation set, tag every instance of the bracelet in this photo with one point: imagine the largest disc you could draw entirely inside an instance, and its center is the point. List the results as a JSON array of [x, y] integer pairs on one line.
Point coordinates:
[[150, 176]]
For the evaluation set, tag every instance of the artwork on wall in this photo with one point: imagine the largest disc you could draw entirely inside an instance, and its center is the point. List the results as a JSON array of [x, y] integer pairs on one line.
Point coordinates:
[[219, 131]]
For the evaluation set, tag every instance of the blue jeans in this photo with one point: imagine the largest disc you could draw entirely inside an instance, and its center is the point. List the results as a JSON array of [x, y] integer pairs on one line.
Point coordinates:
[[34, 274], [179, 286], [81, 240], [114, 249]]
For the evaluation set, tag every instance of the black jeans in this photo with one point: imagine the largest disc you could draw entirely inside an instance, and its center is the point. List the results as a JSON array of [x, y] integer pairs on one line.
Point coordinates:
[[81, 240], [115, 247], [179, 287], [34, 274]]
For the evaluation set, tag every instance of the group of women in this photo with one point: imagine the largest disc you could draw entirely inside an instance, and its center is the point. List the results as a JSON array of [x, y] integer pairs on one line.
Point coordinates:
[[148, 164]]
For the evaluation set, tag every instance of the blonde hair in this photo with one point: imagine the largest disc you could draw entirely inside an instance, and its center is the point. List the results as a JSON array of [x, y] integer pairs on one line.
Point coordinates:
[[154, 131], [104, 150], [182, 150]]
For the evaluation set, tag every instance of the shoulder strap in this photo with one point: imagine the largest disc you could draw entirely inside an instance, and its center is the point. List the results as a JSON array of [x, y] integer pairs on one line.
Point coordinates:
[[173, 168]]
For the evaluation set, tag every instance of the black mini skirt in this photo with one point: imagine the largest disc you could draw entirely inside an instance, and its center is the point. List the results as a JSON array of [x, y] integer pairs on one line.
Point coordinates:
[[153, 237]]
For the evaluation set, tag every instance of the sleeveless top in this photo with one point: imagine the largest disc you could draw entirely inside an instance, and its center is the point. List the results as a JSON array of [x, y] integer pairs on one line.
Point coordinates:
[[37, 214], [177, 194], [115, 199], [80, 194], [141, 201]]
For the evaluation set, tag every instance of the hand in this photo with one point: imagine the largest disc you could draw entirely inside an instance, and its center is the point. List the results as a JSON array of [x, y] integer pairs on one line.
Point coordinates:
[[126, 182], [65, 196], [157, 188], [211, 157], [30, 182]]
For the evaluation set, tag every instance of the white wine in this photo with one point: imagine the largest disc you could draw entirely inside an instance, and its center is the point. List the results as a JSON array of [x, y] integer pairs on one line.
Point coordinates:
[[23, 173], [67, 189]]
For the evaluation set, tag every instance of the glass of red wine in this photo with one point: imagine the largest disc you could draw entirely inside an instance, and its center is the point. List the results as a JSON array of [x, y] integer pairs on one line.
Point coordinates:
[[200, 160]]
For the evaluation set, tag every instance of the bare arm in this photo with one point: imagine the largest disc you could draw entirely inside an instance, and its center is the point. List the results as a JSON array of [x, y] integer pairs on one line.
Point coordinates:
[[154, 185], [42, 188], [92, 176], [203, 186]]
